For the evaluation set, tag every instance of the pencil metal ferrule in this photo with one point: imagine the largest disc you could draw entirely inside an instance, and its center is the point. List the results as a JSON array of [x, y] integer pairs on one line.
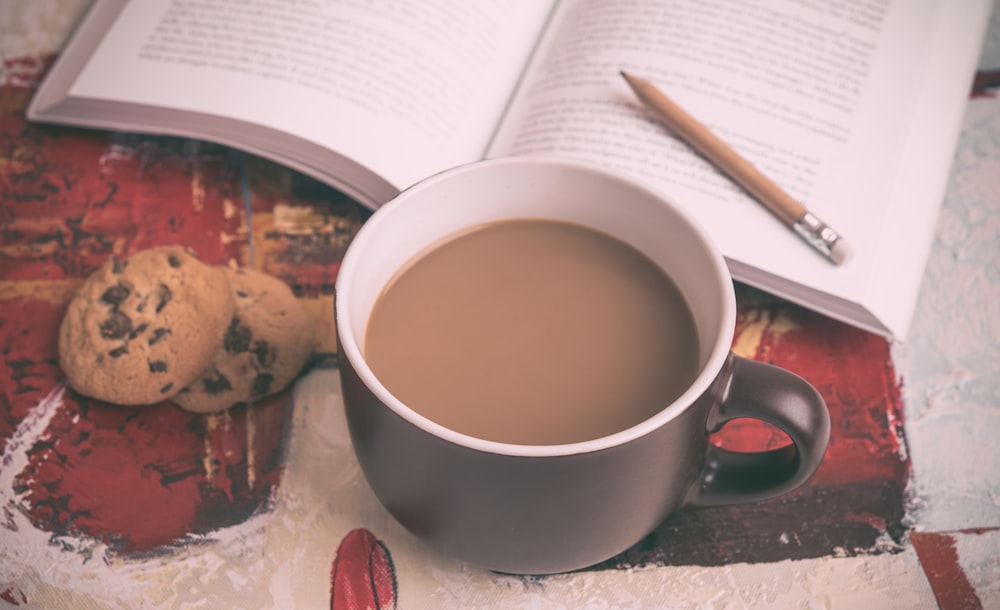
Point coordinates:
[[817, 233]]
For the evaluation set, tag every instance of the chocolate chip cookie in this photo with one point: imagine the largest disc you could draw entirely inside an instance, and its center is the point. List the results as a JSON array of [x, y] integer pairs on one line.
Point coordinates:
[[141, 328], [266, 344]]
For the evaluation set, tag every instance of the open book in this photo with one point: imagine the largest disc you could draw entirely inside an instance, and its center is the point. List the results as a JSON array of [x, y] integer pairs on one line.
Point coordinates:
[[852, 106]]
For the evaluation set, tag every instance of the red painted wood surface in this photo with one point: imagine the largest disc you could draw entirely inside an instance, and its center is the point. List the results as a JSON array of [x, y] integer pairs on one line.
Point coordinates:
[[938, 555], [140, 480], [362, 576]]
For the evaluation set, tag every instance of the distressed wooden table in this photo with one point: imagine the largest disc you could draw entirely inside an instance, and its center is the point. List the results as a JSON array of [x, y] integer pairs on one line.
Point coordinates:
[[264, 506]]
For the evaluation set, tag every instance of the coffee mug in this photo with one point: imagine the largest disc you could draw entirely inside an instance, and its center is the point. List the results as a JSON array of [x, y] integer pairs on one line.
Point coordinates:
[[539, 509]]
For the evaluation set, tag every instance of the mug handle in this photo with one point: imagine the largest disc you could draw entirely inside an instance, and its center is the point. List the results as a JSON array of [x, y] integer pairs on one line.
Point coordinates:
[[781, 398]]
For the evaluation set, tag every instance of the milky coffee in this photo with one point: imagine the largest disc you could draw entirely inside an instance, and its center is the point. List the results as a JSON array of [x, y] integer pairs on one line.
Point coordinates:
[[533, 332]]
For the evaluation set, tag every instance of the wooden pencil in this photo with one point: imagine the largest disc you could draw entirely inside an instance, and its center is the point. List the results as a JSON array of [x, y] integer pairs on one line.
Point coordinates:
[[817, 233]]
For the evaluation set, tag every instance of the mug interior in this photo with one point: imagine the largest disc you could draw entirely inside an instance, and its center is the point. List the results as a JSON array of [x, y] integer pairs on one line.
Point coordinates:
[[522, 188]]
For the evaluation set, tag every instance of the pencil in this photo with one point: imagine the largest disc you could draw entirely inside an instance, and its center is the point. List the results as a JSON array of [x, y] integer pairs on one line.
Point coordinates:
[[817, 233]]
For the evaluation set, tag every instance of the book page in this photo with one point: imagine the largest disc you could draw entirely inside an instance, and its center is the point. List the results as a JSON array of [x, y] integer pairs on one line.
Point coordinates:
[[817, 94], [406, 89]]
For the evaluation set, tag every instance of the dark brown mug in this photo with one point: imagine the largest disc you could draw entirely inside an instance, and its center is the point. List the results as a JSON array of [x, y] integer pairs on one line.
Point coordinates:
[[536, 509]]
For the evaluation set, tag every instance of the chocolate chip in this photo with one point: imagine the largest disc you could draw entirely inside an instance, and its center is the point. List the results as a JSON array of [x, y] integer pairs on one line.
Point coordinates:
[[138, 330], [165, 295], [118, 351], [263, 352], [261, 384], [116, 295], [166, 388], [157, 366], [158, 333], [217, 384], [118, 265], [174, 261], [242, 294], [116, 326], [237, 338]]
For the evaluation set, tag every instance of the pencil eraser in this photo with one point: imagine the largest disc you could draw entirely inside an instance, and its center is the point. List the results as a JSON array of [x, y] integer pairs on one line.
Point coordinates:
[[841, 252]]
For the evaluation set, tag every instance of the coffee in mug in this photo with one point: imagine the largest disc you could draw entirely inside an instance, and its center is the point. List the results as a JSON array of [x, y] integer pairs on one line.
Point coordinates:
[[533, 331]]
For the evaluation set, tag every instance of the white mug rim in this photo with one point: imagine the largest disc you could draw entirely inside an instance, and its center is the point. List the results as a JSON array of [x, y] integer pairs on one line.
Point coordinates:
[[350, 347]]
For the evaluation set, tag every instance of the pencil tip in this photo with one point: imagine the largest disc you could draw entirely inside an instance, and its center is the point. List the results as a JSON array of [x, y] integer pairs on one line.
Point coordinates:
[[633, 81]]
